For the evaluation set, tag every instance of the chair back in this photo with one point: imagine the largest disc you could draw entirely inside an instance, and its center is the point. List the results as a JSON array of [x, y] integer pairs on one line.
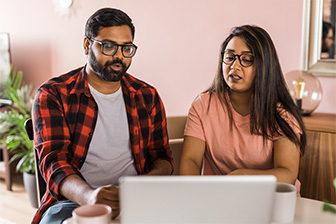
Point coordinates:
[[175, 127], [40, 183]]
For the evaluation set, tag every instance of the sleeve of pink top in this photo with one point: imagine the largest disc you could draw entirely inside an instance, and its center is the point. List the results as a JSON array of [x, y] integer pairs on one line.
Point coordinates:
[[194, 126], [290, 119]]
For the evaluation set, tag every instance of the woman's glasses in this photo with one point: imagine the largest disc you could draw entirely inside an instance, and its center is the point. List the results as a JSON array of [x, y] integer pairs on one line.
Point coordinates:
[[245, 60]]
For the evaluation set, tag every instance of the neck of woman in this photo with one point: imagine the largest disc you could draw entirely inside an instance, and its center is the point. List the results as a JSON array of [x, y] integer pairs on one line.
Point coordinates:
[[240, 102]]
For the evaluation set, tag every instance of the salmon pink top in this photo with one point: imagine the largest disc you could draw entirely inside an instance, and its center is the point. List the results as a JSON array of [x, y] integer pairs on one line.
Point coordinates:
[[228, 149]]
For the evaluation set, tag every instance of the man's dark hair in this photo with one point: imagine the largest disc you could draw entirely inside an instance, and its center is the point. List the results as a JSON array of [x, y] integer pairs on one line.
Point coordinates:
[[107, 17]]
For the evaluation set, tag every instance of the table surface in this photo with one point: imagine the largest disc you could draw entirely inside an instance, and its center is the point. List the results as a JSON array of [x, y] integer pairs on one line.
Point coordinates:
[[308, 211], [311, 211]]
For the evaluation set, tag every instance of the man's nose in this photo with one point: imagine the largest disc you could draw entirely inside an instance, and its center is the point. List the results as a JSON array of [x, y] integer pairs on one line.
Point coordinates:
[[119, 53]]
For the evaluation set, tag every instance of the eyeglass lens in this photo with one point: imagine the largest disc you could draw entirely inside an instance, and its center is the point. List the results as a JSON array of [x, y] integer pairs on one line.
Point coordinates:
[[111, 48], [245, 60]]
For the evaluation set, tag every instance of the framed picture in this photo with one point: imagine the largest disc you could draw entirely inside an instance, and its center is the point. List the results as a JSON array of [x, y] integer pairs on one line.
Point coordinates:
[[5, 59]]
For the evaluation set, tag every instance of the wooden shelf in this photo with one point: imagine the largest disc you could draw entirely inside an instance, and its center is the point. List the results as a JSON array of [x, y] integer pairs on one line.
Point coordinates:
[[320, 122]]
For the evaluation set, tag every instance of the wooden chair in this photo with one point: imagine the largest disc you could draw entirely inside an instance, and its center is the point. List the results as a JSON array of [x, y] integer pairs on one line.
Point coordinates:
[[175, 126], [40, 183]]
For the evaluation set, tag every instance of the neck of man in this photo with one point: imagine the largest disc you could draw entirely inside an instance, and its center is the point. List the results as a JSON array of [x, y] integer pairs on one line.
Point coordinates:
[[102, 86]]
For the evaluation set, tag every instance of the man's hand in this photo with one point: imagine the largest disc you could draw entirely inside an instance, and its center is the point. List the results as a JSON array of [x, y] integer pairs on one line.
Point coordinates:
[[77, 190], [108, 195]]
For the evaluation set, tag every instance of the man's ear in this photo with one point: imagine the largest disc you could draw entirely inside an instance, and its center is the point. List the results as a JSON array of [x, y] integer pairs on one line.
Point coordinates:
[[86, 45]]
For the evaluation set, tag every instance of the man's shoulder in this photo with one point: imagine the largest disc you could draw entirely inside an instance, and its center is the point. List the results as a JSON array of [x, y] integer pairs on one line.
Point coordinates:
[[62, 80], [135, 84]]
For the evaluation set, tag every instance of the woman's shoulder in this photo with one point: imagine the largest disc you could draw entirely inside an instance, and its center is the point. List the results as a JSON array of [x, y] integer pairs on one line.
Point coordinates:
[[206, 103], [288, 117], [204, 98], [283, 112], [202, 101]]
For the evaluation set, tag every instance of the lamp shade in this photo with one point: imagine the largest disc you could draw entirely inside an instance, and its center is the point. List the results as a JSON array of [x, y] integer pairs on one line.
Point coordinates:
[[305, 89]]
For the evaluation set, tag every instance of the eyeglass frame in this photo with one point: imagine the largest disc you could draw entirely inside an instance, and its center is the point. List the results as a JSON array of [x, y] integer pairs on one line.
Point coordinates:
[[118, 45], [237, 56]]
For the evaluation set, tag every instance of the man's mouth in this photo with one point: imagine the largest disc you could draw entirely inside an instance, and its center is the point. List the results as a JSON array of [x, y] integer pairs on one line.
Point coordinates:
[[116, 66]]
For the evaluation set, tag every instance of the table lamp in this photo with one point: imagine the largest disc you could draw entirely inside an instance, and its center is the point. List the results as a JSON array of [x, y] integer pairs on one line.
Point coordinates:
[[305, 89]]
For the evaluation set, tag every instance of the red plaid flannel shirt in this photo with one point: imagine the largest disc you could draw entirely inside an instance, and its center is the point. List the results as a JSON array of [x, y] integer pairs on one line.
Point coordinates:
[[64, 119]]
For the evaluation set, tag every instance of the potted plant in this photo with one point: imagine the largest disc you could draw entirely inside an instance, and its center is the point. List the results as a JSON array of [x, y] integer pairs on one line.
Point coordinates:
[[12, 131]]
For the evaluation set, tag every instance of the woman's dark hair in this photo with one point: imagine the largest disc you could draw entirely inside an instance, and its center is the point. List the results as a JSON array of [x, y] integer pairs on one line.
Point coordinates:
[[269, 87], [326, 27], [107, 17]]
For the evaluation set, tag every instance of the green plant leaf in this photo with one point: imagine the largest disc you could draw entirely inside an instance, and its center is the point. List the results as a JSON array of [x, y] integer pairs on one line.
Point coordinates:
[[12, 131]]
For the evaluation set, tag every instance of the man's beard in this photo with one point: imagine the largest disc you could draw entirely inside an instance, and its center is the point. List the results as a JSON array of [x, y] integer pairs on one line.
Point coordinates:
[[104, 71]]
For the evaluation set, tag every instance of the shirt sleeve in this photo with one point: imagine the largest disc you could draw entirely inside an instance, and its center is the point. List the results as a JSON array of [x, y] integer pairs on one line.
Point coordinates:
[[52, 141], [194, 126], [291, 121], [159, 147]]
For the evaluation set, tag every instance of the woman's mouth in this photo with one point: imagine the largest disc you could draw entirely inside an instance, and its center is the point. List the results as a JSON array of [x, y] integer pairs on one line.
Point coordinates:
[[235, 77]]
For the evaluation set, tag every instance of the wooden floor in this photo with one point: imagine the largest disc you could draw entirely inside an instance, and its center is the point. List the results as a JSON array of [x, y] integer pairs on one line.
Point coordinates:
[[15, 207]]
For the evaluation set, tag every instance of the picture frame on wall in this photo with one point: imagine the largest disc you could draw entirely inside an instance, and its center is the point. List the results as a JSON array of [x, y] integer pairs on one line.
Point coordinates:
[[5, 60]]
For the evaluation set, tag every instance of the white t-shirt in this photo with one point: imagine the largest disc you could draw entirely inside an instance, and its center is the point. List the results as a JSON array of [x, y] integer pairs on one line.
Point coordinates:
[[109, 156]]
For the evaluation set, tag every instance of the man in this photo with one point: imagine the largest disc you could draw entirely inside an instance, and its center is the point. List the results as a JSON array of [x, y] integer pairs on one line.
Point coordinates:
[[98, 123]]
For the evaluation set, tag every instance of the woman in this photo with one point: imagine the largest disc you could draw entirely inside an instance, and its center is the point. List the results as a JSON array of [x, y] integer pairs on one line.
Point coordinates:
[[246, 123]]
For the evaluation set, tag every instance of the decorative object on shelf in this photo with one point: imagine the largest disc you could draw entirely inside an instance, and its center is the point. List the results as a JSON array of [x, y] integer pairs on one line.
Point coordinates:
[[305, 90], [65, 7]]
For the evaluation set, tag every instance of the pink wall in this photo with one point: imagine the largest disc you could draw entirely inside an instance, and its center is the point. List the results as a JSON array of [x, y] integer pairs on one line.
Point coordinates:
[[178, 40]]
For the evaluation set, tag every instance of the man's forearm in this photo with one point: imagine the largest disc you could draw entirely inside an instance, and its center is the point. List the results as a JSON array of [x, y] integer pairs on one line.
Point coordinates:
[[76, 189], [161, 167]]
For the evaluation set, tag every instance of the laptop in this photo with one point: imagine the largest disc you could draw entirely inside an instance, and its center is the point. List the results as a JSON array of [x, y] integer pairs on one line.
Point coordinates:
[[196, 199]]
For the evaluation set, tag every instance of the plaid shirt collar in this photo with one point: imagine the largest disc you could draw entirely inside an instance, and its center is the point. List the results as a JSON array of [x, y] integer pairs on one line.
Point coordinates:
[[82, 85]]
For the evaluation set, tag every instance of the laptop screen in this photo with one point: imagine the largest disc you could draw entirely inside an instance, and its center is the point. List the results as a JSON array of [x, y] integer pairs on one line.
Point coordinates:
[[196, 199]]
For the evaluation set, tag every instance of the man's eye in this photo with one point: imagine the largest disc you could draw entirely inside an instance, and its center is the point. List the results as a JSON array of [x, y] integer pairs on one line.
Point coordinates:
[[109, 45], [127, 48]]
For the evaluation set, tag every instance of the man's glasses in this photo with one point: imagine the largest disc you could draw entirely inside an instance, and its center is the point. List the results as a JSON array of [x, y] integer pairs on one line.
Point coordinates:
[[245, 60], [110, 48]]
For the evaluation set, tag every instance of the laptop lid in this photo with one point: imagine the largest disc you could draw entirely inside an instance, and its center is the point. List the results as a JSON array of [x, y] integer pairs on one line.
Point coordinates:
[[196, 199]]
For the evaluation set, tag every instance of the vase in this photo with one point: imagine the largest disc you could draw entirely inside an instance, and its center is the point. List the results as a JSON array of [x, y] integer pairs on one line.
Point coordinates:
[[29, 181]]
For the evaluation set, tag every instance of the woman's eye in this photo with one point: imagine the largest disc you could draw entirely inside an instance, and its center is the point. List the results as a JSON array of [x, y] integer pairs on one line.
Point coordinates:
[[247, 59], [229, 58]]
